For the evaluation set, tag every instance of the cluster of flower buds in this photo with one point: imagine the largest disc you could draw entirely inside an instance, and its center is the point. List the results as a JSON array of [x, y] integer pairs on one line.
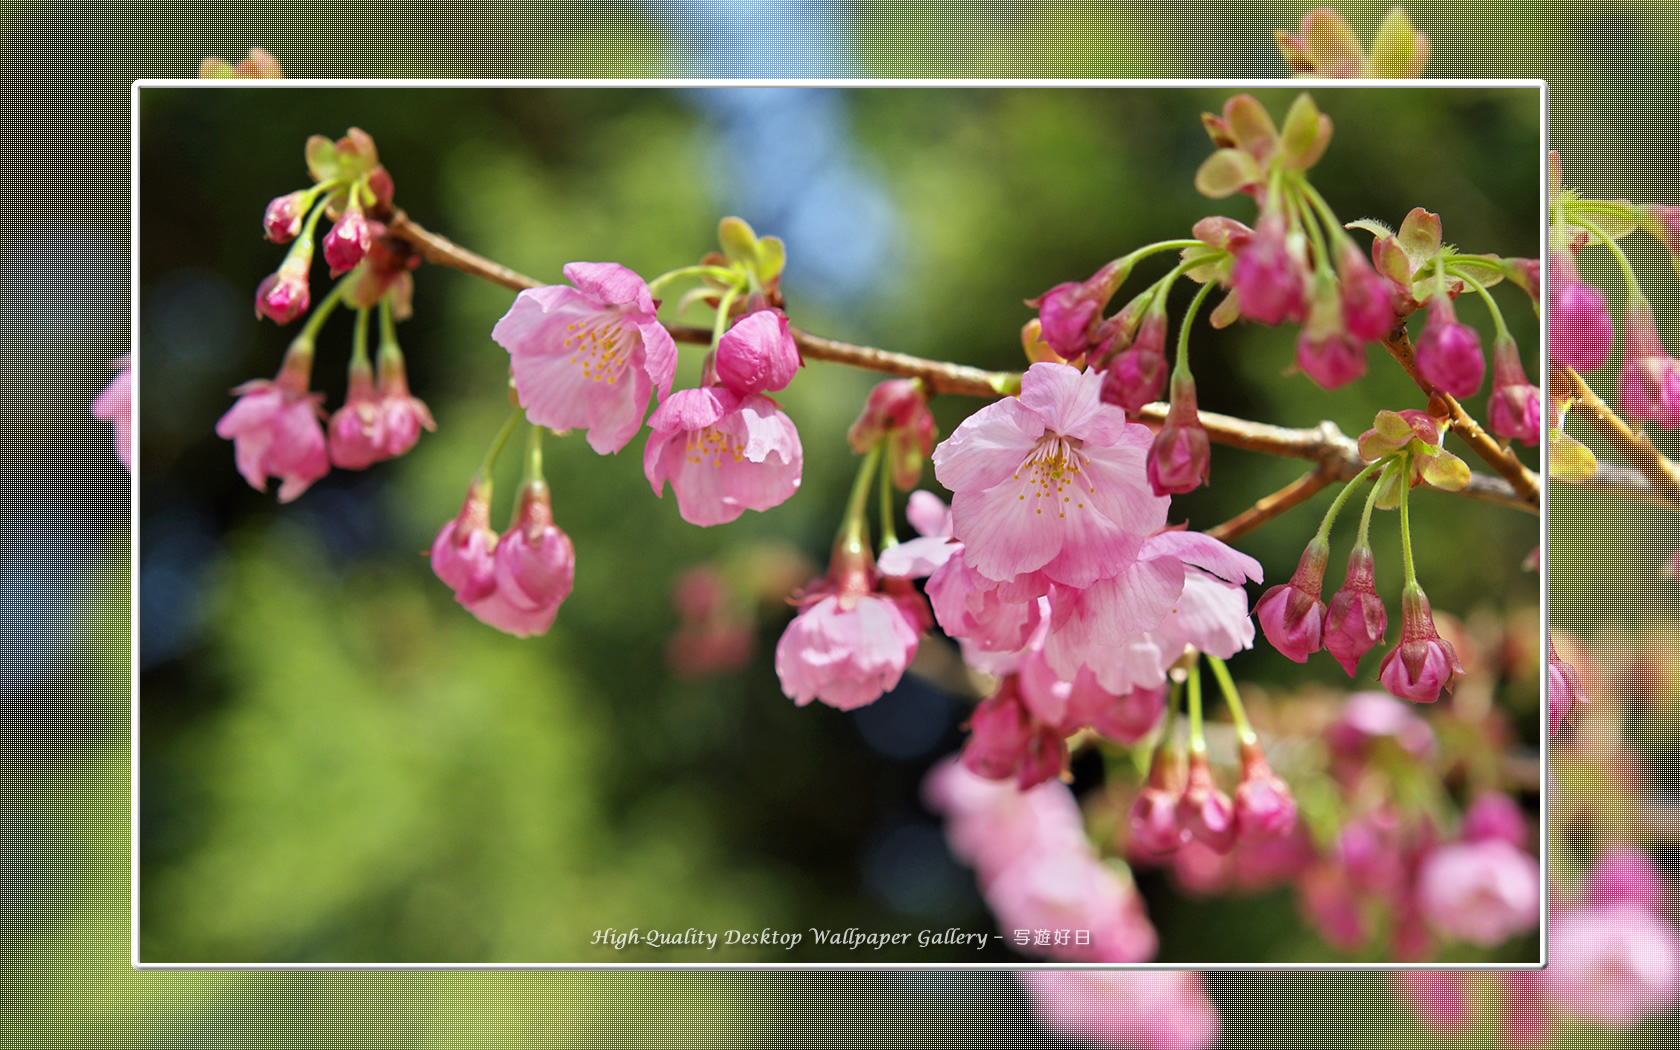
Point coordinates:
[[514, 582], [1326, 46], [276, 424], [1402, 449], [1040, 877], [1392, 871]]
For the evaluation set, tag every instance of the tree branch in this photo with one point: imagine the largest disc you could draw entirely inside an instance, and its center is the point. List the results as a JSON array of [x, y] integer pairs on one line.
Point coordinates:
[[1268, 507], [1657, 469], [1522, 480], [1336, 454]]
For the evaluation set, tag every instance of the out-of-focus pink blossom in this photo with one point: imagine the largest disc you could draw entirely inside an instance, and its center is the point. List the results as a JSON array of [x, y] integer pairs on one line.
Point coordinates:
[[589, 355], [1563, 689], [1332, 361], [1579, 331], [1612, 965], [990, 824], [1367, 299], [1514, 404], [1626, 876], [1146, 1009], [356, 432], [1495, 818], [1206, 811], [1073, 891], [1265, 807], [1482, 892], [115, 405]]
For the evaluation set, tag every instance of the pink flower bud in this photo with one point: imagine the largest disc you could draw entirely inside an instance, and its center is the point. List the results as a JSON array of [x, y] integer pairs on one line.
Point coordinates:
[[999, 732], [897, 410], [1356, 619], [1423, 663], [1291, 614], [1265, 807], [1154, 822], [1205, 810], [535, 562], [348, 240], [1266, 276], [1514, 405], [1139, 374], [1367, 298], [284, 294], [1495, 818], [283, 218], [463, 554], [1579, 328], [1650, 379], [402, 415], [1563, 688], [1179, 455], [1625, 876], [757, 353], [1068, 312], [1332, 362], [1449, 354], [356, 433]]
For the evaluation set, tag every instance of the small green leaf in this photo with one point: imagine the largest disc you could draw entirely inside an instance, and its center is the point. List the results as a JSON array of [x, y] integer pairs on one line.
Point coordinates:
[[1568, 459], [1420, 235], [1389, 487], [770, 255], [737, 240], [322, 157], [1251, 126], [1395, 47], [1300, 131], [1226, 172], [1445, 471]]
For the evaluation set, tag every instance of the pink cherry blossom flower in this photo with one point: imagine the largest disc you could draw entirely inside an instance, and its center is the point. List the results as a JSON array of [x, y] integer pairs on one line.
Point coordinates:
[[1145, 1009], [1613, 966], [402, 415], [991, 824], [534, 569], [1423, 663], [1073, 891], [356, 432], [1482, 892], [1449, 354], [1356, 619], [757, 353], [1495, 817], [897, 412], [724, 454], [1050, 482], [589, 355], [464, 552], [1007, 740], [850, 643], [115, 405], [1291, 614], [275, 428]]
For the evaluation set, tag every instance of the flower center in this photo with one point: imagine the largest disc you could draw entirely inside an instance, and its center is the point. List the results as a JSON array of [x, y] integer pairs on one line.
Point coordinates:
[[599, 345], [711, 443], [1055, 476]]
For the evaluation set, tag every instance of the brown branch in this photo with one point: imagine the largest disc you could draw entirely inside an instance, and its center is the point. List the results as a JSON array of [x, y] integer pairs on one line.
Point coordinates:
[[1634, 446], [1335, 452], [1522, 480], [1268, 507]]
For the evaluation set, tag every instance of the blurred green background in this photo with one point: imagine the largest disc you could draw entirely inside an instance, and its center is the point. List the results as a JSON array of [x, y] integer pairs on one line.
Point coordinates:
[[339, 764]]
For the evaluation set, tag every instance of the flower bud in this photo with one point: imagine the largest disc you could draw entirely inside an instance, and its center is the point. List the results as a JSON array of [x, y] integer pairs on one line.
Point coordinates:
[[1267, 276], [534, 560], [284, 295], [1291, 614], [1514, 405], [1179, 455], [1139, 374], [1332, 361], [347, 241], [1579, 330], [1650, 381], [1449, 354], [402, 414], [463, 555], [356, 433], [1367, 298], [1265, 807], [897, 410], [1424, 663], [999, 732], [1563, 689], [1356, 619], [757, 353], [1068, 313], [1205, 810], [283, 218], [1129, 717]]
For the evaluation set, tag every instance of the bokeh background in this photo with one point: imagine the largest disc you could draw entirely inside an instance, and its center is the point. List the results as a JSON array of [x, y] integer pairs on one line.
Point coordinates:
[[66, 626], [338, 764]]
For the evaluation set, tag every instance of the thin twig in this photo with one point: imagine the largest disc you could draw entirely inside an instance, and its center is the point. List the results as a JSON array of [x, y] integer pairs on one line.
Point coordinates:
[[1324, 444], [1522, 480], [1266, 508], [1633, 445]]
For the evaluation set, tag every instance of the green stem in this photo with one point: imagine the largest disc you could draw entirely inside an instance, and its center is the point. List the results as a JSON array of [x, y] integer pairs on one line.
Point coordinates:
[[1314, 234], [1198, 743], [722, 321], [854, 529], [1169, 736], [1331, 223], [1245, 732], [1634, 291], [722, 273], [1181, 369], [488, 465], [312, 327], [1499, 329], [533, 454], [306, 236], [1341, 498], [1405, 519], [889, 536], [359, 341], [387, 324], [1370, 504]]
